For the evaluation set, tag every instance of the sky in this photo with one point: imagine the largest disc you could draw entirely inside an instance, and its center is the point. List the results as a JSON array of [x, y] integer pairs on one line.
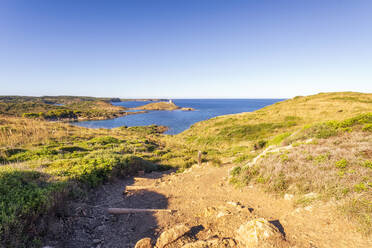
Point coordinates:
[[185, 48]]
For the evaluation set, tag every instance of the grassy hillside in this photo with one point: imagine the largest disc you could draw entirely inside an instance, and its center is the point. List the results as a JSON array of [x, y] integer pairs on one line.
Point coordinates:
[[317, 145], [59, 107], [42, 163], [236, 136]]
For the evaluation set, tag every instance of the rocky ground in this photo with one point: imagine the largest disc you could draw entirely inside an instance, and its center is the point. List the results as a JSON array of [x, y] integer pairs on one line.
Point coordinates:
[[209, 213]]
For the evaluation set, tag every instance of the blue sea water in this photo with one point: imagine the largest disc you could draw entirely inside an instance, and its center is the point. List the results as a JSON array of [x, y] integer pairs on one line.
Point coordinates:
[[178, 120]]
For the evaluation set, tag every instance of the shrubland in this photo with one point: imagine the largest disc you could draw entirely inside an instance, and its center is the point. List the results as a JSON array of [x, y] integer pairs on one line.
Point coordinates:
[[59, 107], [44, 163]]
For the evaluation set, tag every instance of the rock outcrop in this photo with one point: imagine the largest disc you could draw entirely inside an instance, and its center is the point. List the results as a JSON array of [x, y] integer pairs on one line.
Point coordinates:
[[256, 232]]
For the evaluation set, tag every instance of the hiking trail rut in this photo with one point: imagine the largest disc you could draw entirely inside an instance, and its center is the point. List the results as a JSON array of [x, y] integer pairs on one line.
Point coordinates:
[[205, 201]]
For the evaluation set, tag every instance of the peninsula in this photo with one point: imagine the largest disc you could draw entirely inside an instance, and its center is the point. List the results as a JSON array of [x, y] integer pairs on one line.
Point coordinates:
[[162, 106]]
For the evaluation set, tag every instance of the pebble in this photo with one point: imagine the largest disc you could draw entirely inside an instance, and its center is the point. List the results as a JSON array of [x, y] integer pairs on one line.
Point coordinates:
[[100, 228], [96, 241], [288, 197]]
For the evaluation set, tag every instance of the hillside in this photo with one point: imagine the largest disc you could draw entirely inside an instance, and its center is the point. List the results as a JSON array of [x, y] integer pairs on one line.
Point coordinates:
[[232, 135], [59, 107], [307, 155]]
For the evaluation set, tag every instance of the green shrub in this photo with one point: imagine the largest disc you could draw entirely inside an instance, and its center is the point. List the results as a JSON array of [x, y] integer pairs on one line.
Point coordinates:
[[260, 144], [367, 127], [360, 187], [236, 171], [24, 195], [322, 158], [104, 140], [72, 149], [367, 164], [30, 115], [341, 164]]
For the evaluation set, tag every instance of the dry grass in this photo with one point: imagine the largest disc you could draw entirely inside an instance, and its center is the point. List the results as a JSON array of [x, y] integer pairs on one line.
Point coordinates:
[[159, 106], [16, 131], [331, 166], [338, 168]]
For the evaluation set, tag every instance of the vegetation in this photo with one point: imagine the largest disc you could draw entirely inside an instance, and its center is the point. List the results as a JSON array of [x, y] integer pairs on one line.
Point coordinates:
[[42, 163], [327, 136], [329, 139], [335, 167], [59, 108], [159, 106]]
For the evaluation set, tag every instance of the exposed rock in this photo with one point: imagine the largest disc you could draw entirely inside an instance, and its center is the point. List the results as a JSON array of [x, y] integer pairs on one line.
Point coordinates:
[[96, 241], [172, 235], [233, 203], [144, 243], [309, 208], [311, 195], [212, 243], [187, 109], [202, 244], [288, 197], [252, 233]]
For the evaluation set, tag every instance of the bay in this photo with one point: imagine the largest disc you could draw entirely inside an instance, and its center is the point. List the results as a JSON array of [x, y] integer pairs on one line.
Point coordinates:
[[178, 120]]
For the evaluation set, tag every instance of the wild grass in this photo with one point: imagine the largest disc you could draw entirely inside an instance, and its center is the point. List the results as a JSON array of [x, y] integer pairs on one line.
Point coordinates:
[[336, 168], [43, 162], [271, 124]]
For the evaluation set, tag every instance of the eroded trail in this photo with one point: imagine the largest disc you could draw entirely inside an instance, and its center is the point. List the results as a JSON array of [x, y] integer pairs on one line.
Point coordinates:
[[203, 200]]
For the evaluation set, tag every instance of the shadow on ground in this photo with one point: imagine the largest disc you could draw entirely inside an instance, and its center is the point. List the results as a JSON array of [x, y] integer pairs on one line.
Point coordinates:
[[87, 224]]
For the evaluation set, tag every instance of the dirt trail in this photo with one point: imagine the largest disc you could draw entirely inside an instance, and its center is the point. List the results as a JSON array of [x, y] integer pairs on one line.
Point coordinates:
[[204, 200]]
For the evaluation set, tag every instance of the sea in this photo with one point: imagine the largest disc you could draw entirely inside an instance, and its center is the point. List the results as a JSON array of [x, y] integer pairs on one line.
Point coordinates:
[[177, 120]]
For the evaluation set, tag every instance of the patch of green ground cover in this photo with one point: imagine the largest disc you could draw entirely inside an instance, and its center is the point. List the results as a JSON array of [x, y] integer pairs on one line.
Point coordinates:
[[277, 140], [85, 161], [250, 132], [328, 129], [24, 196]]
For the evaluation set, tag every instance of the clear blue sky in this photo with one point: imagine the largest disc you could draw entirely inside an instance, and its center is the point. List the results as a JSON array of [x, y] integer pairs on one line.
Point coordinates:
[[185, 49]]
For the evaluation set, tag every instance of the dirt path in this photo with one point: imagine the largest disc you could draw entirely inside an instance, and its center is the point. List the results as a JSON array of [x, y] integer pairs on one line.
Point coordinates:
[[204, 200]]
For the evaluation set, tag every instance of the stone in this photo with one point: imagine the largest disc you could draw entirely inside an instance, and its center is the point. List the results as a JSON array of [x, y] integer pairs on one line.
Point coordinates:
[[288, 197], [171, 235], [202, 244], [100, 228], [212, 243], [311, 195], [144, 243], [96, 241], [254, 232], [233, 203], [309, 208]]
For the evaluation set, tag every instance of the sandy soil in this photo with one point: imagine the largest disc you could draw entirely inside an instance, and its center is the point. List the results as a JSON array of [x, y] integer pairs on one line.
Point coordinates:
[[203, 200]]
